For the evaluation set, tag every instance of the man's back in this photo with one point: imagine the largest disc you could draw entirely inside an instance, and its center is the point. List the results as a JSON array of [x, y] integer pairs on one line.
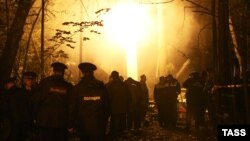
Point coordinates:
[[119, 96], [90, 107], [52, 100]]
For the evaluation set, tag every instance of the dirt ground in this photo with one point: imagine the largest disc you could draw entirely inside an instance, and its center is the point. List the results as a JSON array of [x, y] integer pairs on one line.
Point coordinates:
[[155, 133]]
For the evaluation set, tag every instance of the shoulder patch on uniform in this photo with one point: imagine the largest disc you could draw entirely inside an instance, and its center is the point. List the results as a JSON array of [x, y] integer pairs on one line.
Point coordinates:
[[57, 90], [91, 98]]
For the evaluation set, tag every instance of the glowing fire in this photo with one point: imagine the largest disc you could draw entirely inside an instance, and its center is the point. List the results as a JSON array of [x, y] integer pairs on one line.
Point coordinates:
[[126, 24], [162, 31]]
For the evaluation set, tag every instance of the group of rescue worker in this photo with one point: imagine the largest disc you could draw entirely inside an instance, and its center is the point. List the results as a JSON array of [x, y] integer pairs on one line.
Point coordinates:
[[199, 99], [165, 95], [55, 109]]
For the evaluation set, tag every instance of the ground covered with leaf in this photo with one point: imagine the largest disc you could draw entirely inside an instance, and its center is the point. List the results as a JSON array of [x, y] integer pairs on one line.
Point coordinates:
[[151, 131], [155, 133]]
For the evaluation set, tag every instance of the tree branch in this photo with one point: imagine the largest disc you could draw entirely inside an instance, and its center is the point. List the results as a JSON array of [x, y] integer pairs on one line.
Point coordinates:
[[198, 5]]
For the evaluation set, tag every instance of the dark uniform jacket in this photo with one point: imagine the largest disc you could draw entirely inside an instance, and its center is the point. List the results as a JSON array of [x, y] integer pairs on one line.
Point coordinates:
[[16, 106], [119, 96], [159, 94], [136, 95], [89, 107], [194, 92], [145, 95], [30, 94], [51, 106], [172, 90]]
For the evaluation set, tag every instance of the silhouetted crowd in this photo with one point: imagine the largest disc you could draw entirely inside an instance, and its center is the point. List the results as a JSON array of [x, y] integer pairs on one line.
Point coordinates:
[[55, 110]]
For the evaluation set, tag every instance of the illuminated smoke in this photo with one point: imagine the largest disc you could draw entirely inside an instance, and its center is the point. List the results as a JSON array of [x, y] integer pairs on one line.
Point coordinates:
[[166, 34]]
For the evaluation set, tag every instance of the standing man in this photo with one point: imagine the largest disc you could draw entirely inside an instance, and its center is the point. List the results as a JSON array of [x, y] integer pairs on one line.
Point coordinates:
[[89, 106], [159, 94], [15, 111], [210, 97], [119, 103], [135, 108], [29, 83], [172, 90], [5, 127], [145, 96], [51, 105], [29, 86], [194, 98], [16, 108]]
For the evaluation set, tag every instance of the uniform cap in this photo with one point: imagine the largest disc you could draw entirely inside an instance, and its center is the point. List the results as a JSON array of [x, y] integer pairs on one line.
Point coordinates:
[[58, 66], [29, 74], [87, 67]]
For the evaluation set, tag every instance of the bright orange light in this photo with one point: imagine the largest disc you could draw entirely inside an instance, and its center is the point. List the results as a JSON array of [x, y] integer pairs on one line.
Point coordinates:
[[127, 25]]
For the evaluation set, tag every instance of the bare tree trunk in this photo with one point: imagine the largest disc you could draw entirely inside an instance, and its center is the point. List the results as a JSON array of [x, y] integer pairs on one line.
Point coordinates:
[[214, 38], [223, 42], [29, 39], [13, 37], [42, 39], [235, 45], [7, 15]]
